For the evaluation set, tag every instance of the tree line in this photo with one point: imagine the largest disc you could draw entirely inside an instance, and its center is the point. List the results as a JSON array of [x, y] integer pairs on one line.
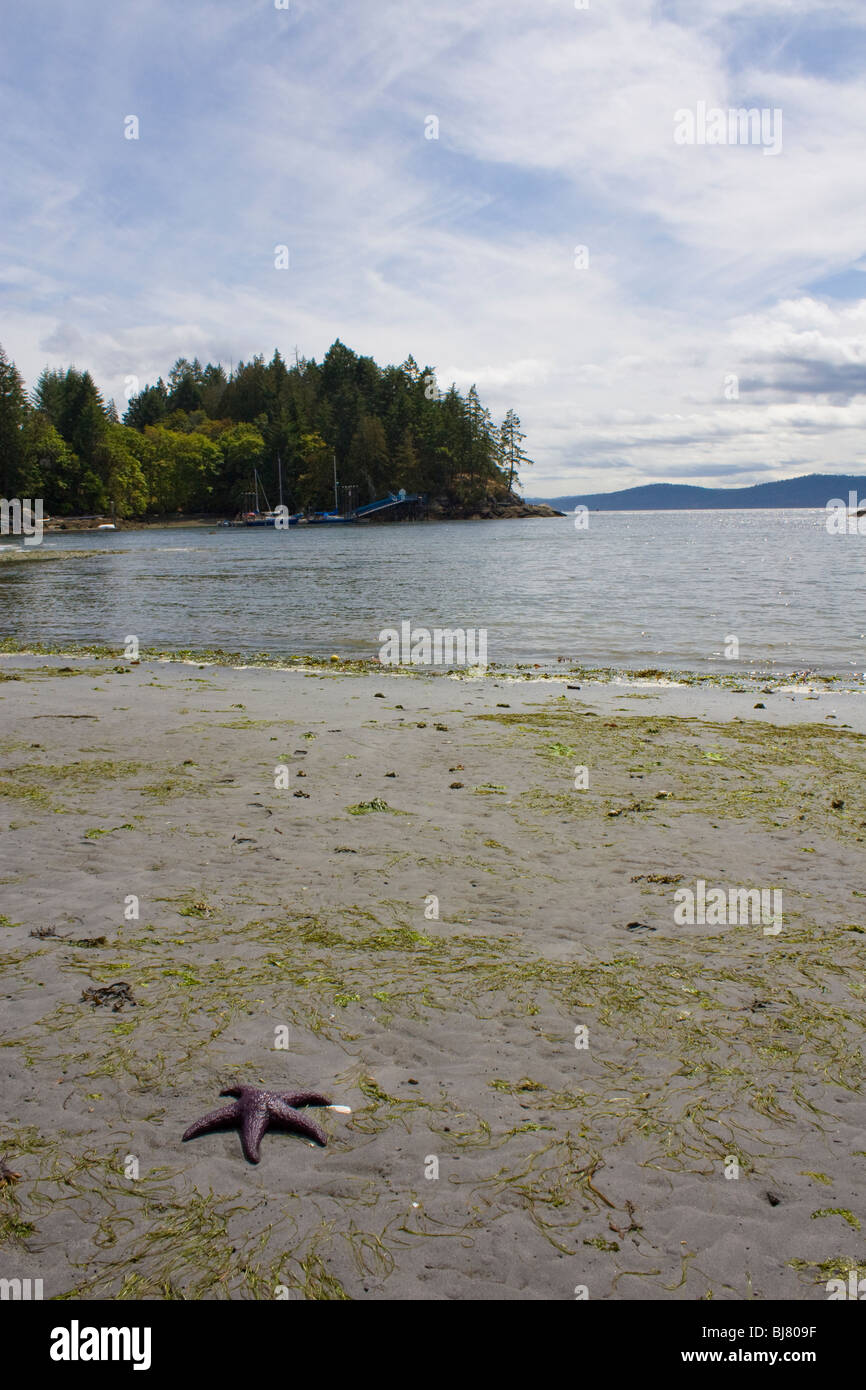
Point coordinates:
[[190, 443]]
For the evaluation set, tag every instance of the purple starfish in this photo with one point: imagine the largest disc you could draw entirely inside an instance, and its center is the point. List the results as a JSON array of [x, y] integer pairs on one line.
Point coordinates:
[[256, 1110]]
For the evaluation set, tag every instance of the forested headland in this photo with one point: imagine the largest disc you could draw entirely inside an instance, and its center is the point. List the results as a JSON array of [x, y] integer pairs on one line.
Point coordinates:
[[189, 444]]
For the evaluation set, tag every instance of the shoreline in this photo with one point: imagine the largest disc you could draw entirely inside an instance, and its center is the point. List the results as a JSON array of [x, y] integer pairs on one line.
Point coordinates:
[[519, 511], [745, 680]]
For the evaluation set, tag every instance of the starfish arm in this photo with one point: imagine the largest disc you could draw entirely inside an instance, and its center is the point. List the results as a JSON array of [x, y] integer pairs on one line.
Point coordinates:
[[291, 1119], [255, 1121], [298, 1098], [217, 1119]]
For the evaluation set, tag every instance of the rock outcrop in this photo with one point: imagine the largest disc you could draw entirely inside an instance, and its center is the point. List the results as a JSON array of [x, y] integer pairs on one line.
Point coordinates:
[[490, 507]]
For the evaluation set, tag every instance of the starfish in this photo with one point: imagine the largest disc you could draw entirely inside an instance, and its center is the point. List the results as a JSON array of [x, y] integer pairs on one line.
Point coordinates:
[[256, 1110]]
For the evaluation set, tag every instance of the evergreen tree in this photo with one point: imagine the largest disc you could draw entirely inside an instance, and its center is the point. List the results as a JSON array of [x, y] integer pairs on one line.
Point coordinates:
[[368, 465], [49, 395], [193, 440], [149, 407], [13, 418], [315, 477], [511, 438], [407, 468], [482, 449]]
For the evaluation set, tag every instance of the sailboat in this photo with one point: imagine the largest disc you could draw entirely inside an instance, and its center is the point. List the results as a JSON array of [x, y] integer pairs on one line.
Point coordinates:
[[352, 514], [257, 517], [334, 518]]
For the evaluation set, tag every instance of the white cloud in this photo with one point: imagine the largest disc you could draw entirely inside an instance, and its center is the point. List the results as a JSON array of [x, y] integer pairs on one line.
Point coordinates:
[[556, 129]]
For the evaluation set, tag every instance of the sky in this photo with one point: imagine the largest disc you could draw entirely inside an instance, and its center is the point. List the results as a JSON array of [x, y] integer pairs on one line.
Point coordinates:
[[434, 170]]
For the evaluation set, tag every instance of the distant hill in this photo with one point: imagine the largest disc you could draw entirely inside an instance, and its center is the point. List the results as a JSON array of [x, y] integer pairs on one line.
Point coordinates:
[[815, 490]]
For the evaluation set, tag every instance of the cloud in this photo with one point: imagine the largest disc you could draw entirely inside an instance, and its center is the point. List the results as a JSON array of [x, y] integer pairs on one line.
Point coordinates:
[[805, 347], [306, 127]]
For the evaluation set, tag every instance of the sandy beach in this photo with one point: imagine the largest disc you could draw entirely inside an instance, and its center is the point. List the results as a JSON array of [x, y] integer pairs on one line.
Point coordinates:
[[429, 922]]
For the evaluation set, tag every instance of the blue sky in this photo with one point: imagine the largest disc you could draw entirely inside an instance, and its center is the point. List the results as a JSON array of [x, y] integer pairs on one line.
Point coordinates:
[[306, 127]]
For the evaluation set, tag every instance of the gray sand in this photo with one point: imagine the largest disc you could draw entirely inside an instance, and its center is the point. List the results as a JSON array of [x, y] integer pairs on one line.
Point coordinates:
[[453, 1040]]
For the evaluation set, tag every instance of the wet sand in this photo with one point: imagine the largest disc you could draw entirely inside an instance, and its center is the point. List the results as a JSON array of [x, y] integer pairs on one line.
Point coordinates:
[[306, 914]]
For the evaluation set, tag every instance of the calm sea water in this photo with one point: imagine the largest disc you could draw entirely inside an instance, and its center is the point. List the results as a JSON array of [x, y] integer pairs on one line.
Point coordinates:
[[635, 589]]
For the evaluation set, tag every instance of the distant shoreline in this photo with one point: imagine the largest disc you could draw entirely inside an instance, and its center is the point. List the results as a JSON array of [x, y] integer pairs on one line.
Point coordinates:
[[812, 491]]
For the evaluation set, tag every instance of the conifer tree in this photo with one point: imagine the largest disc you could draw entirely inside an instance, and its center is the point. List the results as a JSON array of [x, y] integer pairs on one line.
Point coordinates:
[[511, 438], [13, 417]]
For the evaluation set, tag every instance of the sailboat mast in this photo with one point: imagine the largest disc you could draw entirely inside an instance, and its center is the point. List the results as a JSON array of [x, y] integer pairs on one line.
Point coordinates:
[[336, 503], [280, 478], [256, 481]]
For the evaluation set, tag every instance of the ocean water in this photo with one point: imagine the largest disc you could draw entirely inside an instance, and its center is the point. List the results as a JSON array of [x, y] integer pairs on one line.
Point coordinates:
[[633, 590]]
